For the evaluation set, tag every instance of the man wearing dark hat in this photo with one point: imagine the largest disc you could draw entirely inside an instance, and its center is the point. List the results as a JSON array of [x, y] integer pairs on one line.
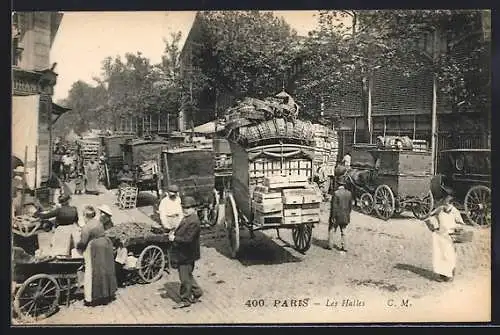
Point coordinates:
[[186, 251], [170, 208], [340, 213]]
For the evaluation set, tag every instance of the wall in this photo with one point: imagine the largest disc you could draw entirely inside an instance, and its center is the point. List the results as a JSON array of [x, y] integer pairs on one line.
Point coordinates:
[[36, 38]]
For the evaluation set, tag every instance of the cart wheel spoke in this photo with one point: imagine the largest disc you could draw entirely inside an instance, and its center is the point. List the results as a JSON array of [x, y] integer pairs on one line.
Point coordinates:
[[477, 205], [151, 262]]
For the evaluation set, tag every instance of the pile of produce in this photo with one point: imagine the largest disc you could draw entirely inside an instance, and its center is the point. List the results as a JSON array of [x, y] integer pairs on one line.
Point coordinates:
[[128, 233], [252, 120]]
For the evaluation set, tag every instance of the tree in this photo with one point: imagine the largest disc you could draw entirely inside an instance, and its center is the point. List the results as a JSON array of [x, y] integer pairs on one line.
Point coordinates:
[[405, 41], [244, 53]]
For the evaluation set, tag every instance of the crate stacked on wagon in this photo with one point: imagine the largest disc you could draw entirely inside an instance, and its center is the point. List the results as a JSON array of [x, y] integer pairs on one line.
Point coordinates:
[[272, 155]]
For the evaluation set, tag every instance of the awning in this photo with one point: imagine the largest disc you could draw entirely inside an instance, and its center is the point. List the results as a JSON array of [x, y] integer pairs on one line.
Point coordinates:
[[59, 110], [206, 128], [16, 162]]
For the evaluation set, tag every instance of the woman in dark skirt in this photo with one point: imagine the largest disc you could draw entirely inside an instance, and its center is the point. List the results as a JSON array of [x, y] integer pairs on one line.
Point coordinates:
[[100, 278]]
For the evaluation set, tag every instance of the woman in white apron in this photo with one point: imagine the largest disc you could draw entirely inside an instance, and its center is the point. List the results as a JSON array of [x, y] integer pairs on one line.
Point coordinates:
[[442, 223]]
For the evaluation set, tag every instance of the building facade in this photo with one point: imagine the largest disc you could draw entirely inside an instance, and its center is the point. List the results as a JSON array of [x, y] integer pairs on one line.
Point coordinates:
[[397, 105], [33, 80]]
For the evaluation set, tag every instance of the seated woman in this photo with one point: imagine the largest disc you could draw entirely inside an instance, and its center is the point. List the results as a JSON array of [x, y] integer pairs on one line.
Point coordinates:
[[66, 225]]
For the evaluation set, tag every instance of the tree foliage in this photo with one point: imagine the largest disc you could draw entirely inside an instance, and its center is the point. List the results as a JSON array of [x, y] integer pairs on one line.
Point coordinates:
[[246, 53], [446, 42]]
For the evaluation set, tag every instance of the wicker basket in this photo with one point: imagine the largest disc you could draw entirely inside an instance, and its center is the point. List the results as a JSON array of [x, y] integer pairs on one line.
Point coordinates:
[[462, 236], [280, 125]]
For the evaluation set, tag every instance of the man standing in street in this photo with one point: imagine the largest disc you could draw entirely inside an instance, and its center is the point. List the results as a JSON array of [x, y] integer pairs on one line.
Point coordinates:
[[170, 209], [186, 251], [340, 214]]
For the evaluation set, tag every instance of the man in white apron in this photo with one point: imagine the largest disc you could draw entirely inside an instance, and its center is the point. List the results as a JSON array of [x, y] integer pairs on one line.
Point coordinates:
[[170, 209], [442, 223]]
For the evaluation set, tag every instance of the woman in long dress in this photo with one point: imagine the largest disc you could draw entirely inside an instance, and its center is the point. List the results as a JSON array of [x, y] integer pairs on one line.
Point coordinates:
[[99, 278], [443, 222], [92, 177]]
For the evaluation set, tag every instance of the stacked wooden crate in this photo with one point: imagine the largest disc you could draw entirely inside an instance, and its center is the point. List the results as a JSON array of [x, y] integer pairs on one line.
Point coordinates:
[[326, 150], [286, 200], [89, 150]]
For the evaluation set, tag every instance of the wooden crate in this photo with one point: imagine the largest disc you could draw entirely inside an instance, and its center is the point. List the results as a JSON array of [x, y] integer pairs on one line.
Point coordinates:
[[275, 181], [268, 207], [310, 211], [261, 197], [292, 220], [267, 218], [291, 197], [310, 218], [292, 212]]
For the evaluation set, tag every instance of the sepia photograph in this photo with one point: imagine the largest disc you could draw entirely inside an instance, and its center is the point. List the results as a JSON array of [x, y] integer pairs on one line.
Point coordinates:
[[250, 167]]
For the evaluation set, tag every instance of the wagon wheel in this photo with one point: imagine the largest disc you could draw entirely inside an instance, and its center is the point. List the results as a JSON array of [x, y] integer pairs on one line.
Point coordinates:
[[214, 210], [384, 202], [302, 237], [37, 298], [232, 224], [478, 205], [106, 176], [151, 263], [366, 203], [423, 208]]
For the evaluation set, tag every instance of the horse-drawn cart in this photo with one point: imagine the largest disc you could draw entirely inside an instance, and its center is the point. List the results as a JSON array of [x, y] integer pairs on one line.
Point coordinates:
[[192, 170], [143, 156], [468, 173], [389, 180], [113, 157]]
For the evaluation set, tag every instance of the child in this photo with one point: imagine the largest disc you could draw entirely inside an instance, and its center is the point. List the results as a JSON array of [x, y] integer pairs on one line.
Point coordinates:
[[79, 183]]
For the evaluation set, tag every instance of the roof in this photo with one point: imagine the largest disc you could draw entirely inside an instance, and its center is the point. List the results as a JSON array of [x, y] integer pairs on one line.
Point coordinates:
[[186, 149], [206, 128], [58, 109], [141, 141], [466, 150]]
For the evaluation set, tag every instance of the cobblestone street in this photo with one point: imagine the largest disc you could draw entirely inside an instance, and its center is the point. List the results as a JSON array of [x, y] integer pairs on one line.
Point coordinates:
[[385, 276]]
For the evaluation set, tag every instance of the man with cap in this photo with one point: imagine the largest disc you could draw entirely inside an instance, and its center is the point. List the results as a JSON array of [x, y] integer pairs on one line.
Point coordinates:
[[170, 208], [340, 213], [186, 251], [105, 216]]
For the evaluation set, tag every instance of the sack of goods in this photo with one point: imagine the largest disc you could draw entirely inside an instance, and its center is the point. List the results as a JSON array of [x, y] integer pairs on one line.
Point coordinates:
[[286, 200]]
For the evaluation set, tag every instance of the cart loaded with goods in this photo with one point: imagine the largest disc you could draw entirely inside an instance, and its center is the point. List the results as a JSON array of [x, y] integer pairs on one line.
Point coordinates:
[[42, 276], [387, 178], [272, 166], [141, 248]]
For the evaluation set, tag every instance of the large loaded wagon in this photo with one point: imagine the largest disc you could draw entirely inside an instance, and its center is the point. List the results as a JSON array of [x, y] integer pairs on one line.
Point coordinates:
[[192, 170], [468, 173], [143, 157], [113, 158], [389, 177], [272, 156]]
